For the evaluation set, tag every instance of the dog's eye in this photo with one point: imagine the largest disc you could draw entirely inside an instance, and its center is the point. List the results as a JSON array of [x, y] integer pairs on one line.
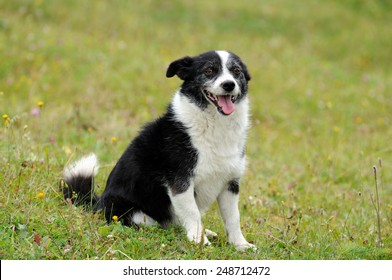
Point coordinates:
[[237, 71], [209, 72]]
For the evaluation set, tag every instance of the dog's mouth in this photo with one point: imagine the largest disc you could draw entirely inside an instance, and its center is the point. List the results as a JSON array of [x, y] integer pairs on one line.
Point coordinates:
[[224, 103]]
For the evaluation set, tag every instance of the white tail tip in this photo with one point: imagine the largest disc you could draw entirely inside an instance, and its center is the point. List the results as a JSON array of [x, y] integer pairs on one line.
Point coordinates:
[[85, 167]]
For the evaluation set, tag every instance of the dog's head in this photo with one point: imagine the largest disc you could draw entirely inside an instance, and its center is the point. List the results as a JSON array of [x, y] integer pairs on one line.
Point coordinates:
[[217, 78]]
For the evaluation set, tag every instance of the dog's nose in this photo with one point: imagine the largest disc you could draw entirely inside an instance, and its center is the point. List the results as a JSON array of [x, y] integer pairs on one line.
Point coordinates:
[[228, 86]]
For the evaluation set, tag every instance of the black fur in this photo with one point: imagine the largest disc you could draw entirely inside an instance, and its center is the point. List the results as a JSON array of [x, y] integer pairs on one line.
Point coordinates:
[[160, 156], [80, 190], [234, 186]]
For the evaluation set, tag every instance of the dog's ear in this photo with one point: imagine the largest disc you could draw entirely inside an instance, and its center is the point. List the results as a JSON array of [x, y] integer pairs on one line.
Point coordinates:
[[247, 75], [246, 72], [181, 67]]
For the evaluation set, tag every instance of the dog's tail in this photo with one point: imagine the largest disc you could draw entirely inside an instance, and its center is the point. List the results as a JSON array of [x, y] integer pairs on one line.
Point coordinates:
[[79, 182]]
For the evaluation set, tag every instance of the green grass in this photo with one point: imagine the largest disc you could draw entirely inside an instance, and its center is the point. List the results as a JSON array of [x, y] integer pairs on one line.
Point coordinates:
[[321, 119]]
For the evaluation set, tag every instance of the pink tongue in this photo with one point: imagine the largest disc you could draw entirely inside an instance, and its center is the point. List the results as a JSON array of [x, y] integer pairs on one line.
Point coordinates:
[[227, 106]]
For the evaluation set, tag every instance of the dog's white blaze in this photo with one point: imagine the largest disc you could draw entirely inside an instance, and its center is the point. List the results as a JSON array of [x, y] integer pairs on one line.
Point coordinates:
[[216, 88], [85, 167]]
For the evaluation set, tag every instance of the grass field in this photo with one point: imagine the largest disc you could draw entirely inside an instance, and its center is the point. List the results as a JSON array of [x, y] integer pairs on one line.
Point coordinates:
[[321, 97]]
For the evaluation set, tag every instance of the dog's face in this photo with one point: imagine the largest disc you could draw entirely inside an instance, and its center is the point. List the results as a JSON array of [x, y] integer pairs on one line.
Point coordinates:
[[214, 78]]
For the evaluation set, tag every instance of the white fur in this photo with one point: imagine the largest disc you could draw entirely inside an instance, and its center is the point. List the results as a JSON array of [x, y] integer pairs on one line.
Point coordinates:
[[188, 215], [85, 167], [220, 142], [228, 206], [140, 218]]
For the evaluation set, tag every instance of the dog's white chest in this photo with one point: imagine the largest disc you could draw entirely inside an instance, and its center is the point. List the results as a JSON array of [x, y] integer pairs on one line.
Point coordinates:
[[220, 143], [213, 172]]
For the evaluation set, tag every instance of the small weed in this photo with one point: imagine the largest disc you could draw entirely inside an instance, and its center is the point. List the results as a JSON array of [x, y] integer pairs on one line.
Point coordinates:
[[376, 204]]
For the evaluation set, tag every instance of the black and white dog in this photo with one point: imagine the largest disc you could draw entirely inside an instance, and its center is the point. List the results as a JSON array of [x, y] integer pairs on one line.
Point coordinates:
[[182, 162]]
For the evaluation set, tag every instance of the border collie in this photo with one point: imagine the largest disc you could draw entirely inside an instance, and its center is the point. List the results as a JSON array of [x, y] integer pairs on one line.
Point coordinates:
[[182, 162]]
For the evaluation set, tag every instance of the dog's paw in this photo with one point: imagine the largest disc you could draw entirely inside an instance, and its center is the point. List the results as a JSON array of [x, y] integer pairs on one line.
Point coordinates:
[[245, 246], [197, 238], [210, 233]]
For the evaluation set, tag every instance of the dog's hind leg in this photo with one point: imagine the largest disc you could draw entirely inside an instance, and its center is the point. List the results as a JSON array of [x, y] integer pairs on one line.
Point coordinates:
[[140, 218]]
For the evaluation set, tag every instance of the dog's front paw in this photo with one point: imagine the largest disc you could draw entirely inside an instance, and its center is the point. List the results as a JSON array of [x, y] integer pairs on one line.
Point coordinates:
[[210, 233], [245, 246], [197, 238]]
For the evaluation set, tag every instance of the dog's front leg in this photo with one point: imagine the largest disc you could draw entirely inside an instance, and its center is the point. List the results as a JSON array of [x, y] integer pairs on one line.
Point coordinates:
[[188, 214], [228, 207]]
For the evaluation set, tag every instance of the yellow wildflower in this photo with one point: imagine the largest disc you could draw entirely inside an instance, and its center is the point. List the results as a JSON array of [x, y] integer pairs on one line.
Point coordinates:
[[6, 120], [114, 139], [41, 195], [40, 104], [115, 219]]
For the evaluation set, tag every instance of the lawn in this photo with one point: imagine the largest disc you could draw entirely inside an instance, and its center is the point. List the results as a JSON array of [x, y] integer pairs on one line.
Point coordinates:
[[83, 76]]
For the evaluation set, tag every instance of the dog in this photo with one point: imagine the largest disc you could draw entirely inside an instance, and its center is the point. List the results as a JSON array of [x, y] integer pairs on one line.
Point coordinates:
[[182, 162]]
